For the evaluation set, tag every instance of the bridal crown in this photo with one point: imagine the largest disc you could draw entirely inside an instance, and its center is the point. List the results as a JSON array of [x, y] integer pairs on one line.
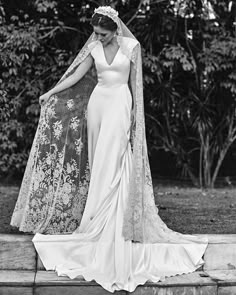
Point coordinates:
[[108, 11]]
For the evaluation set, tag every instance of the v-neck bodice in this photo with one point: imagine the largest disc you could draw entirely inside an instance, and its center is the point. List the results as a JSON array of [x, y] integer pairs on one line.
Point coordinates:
[[103, 50], [115, 73]]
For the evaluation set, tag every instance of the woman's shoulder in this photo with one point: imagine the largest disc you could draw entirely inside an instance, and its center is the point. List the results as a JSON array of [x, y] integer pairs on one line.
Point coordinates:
[[129, 43], [92, 45]]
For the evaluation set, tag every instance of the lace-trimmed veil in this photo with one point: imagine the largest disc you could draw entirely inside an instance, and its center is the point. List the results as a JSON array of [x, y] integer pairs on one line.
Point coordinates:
[[56, 180]]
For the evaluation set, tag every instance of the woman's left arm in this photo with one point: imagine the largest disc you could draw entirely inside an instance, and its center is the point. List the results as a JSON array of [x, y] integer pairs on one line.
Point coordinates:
[[69, 81]]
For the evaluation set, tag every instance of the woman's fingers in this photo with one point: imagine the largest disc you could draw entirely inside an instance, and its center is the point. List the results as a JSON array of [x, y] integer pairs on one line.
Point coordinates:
[[43, 98]]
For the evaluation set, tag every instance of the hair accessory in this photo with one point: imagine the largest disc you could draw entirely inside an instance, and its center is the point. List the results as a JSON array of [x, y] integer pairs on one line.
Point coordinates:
[[108, 11]]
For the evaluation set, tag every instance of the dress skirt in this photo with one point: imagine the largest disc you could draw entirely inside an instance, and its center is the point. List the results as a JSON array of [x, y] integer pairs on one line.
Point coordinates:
[[97, 250]]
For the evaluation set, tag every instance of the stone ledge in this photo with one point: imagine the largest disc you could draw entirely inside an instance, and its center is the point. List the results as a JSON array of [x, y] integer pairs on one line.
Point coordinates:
[[223, 277], [180, 290], [18, 278], [17, 291], [74, 290], [220, 239], [17, 252], [48, 283], [226, 291], [220, 257], [197, 278], [50, 278]]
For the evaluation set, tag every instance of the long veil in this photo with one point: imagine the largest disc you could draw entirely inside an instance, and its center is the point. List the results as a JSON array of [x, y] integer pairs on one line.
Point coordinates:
[[54, 189]]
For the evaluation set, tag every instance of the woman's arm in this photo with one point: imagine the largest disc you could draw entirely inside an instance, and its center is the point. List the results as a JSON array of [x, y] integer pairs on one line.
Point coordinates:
[[71, 80]]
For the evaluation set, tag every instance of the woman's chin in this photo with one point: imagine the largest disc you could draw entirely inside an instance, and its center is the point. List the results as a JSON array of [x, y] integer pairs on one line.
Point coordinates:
[[105, 43]]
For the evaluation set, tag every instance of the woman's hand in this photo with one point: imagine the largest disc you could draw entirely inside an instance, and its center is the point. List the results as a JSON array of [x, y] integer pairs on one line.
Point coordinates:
[[44, 98]]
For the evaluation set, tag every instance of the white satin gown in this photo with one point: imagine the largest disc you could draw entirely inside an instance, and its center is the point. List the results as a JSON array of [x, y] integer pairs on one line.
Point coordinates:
[[97, 250]]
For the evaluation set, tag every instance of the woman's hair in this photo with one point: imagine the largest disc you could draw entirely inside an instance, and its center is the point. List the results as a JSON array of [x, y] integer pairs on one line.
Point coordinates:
[[104, 22]]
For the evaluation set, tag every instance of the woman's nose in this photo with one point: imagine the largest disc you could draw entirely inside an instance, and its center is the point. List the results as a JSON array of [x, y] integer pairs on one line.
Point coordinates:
[[99, 37]]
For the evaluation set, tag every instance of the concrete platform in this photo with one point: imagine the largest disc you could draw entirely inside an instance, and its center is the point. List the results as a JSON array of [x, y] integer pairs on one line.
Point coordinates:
[[21, 272]]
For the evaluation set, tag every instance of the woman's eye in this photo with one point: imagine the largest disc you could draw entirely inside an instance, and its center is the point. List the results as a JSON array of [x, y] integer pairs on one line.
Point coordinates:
[[102, 35]]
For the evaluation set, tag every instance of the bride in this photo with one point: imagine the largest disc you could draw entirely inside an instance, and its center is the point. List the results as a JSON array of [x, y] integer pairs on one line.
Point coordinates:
[[87, 192]]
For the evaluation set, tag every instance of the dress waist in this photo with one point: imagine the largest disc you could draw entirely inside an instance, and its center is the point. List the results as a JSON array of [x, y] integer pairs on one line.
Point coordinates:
[[110, 85]]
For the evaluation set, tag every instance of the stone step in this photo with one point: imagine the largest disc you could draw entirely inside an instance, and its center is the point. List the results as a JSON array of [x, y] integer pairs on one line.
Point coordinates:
[[17, 252], [48, 283], [17, 282], [19, 273], [220, 253]]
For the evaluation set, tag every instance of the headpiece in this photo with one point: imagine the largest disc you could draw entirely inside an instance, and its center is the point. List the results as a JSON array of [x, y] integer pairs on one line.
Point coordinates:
[[108, 11]]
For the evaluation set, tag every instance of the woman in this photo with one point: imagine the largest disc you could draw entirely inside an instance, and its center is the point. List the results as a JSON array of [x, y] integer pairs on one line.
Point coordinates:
[[118, 238]]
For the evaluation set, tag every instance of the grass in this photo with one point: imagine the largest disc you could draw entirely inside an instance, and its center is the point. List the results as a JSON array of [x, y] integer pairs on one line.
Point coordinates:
[[184, 209]]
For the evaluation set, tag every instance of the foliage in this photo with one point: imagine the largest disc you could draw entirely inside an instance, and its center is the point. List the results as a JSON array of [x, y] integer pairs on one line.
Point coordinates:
[[191, 107], [31, 62], [189, 74]]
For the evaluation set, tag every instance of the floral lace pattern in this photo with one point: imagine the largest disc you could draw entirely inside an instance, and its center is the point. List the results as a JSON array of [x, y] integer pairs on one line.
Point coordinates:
[[142, 222], [54, 190]]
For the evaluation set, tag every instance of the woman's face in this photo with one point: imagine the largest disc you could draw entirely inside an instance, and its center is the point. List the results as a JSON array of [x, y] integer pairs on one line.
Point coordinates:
[[103, 35]]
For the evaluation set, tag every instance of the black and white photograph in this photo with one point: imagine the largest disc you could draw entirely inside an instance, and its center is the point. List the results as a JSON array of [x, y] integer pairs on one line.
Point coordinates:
[[117, 147]]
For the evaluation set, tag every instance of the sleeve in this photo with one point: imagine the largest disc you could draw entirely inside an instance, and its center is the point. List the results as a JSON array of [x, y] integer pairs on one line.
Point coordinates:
[[91, 47]]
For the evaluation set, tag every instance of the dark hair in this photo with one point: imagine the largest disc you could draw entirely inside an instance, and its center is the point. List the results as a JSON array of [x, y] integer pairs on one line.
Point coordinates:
[[104, 22]]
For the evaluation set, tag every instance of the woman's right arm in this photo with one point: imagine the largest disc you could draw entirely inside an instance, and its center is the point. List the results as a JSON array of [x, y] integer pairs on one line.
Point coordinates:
[[70, 81]]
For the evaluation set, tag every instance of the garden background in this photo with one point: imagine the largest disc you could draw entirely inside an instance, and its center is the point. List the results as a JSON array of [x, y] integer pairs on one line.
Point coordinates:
[[189, 70]]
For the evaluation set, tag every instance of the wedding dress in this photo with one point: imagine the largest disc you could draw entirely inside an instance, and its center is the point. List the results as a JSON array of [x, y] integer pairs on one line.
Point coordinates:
[[97, 249]]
